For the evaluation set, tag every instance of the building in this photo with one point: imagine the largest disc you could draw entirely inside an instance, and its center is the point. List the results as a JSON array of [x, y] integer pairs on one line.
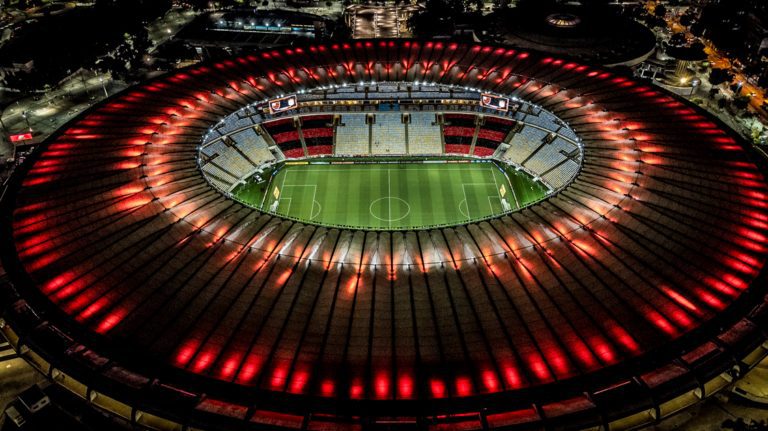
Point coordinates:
[[593, 34], [633, 291], [235, 30]]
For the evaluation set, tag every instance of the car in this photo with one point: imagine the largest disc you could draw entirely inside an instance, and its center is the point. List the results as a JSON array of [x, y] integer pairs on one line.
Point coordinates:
[[34, 399], [15, 416]]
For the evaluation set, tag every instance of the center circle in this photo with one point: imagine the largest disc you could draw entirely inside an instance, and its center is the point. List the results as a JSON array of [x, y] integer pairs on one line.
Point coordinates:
[[389, 209]]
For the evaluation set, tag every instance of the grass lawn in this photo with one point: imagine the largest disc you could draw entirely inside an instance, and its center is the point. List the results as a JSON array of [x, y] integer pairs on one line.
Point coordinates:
[[403, 195]]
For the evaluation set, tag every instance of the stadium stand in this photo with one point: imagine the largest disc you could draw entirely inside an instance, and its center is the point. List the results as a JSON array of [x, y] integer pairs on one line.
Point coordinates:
[[547, 156], [232, 123], [224, 162], [317, 131], [252, 146], [559, 176], [458, 132], [424, 134], [492, 132], [523, 144], [388, 134], [353, 135], [286, 136]]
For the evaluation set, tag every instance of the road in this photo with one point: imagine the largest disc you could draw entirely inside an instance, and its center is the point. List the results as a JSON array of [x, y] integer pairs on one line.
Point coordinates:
[[55, 108], [332, 11], [163, 29], [76, 94], [718, 60]]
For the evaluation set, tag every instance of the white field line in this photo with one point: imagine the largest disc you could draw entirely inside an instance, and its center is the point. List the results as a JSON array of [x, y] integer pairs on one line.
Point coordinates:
[[363, 168], [282, 185], [389, 196], [288, 211], [495, 184], [514, 195], [314, 196], [263, 199], [511, 189], [464, 190], [490, 204]]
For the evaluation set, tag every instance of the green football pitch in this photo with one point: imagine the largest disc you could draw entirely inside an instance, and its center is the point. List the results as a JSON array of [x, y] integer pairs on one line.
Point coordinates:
[[403, 195]]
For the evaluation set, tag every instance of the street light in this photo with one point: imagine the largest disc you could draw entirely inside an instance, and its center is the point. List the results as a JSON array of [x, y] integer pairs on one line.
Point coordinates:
[[26, 119], [103, 86]]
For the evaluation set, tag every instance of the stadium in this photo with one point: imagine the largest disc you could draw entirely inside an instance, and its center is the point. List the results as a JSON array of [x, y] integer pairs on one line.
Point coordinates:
[[389, 235]]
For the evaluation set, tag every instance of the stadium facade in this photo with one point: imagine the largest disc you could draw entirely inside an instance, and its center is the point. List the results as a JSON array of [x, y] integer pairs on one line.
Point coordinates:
[[632, 291]]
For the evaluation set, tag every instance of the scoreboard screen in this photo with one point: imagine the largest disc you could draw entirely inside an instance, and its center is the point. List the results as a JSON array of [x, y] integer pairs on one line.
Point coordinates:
[[21, 137], [494, 102], [282, 104]]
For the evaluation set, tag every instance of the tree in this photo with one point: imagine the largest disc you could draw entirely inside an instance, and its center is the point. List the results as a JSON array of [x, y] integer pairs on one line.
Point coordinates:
[[724, 23], [118, 68], [762, 81], [439, 17], [678, 39], [23, 81], [428, 24], [697, 29], [340, 30], [687, 19], [198, 4], [720, 76], [500, 5], [660, 11], [657, 22], [713, 92], [741, 103]]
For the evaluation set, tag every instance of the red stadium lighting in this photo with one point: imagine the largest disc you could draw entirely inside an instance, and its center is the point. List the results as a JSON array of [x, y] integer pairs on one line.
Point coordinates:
[[138, 271]]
